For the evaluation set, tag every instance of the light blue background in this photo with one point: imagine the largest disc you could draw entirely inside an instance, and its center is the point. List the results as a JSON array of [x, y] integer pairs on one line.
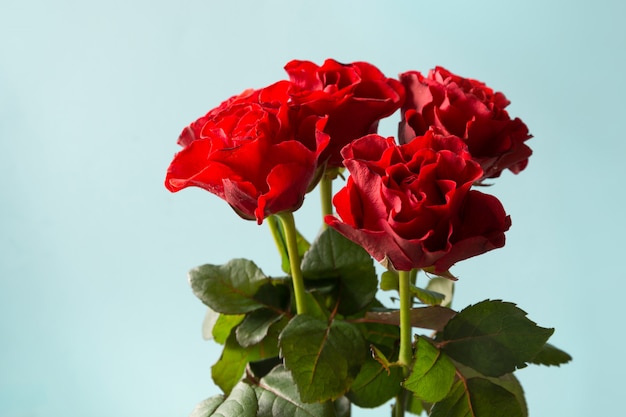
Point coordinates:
[[96, 316]]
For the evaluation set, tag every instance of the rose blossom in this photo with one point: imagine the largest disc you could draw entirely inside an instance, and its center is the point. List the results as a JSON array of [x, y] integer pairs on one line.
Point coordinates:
[[470, 110], [411, 205], [354, 96], [251, 151]]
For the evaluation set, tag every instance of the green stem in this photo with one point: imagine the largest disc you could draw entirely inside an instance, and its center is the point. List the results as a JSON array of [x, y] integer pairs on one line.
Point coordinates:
[[289, 227], [400, 404], [326, 194], [405, 357], [406, 331]]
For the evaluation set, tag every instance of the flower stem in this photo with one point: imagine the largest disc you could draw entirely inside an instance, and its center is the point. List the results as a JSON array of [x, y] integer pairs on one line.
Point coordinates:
[[326, 194], [398, 409], [406, 331], [405, 357], [289, 227]]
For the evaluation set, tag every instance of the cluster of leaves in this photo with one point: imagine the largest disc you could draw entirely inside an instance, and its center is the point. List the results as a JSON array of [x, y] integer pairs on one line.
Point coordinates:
[[344, 350]]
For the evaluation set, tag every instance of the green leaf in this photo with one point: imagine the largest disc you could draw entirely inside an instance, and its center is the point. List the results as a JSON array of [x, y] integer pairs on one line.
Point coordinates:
[[313, 307], [375, 384], [550, 355], [380, 334], [414, 405], [228, 370], [443, 286], [224, 325], [432, 373], [275, 295], [439, 290], [241, 402], [432, 317], [324, 357], [208, 406], [478, 397], [389, 281], [228, 288], [508, 381], [281, 242], [255, 325], [334, 256], [278, 397], [258, 369], [493, 337], [426, 296]]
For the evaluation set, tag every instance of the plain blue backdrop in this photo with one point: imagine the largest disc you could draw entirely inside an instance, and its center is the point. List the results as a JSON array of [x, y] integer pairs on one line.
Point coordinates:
[[96, 316]]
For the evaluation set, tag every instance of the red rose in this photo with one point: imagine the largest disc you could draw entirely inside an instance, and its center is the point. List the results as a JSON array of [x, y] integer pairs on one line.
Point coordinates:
[[470, 110], [354, 96], [253, 152], [411, 205]]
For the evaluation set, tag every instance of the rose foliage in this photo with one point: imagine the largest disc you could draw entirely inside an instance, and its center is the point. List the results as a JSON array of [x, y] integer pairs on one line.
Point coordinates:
[[317, 340]]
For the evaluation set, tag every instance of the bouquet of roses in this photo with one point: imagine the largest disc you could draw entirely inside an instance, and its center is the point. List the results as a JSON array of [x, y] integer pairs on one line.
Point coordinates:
[[317, 340]]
